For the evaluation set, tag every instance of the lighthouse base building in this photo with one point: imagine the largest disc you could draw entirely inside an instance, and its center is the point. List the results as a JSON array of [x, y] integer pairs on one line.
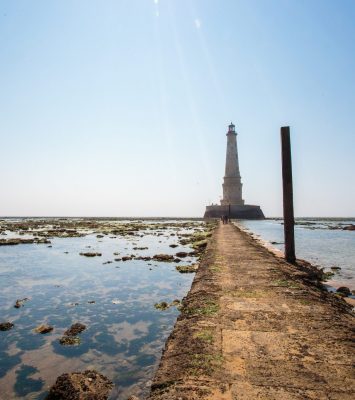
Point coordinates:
[[247, 211], [232, 204]]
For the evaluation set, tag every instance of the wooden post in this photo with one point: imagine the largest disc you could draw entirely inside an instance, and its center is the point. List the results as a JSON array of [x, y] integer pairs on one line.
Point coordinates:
[[289, 220]]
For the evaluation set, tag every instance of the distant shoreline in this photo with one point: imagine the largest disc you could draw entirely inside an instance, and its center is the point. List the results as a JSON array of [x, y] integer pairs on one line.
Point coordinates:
[[111, 218], [106, 218]]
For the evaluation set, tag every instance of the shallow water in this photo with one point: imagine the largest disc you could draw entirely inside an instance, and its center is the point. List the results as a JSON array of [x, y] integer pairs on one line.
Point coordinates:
[[316, 243], [125, 333]]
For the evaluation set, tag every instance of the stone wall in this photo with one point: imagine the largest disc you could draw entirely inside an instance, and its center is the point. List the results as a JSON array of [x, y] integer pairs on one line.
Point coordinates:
[[234, 212]]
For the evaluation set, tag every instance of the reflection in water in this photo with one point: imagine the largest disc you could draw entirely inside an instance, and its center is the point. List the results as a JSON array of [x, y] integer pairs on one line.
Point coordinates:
[[125, 333], [24, 384]]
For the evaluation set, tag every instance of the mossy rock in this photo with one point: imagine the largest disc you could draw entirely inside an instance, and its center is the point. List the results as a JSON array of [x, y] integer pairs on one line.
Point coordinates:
[[185, 269]]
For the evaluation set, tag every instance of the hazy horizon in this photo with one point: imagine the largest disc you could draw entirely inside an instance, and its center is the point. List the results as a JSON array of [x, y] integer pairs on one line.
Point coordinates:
[[167, 217], [121, 108]]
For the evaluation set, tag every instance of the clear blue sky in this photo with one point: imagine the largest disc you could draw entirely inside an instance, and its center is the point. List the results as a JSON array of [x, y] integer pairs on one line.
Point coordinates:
[[120, 107]]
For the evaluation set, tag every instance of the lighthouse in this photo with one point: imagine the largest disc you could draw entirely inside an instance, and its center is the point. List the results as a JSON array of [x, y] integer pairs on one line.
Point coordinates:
[[232, 203], [232, 185]]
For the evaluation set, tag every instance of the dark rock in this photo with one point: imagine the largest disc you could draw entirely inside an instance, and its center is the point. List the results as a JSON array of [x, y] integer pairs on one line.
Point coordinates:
[[75, 329], [163, 257], [182, 254], [69, 340], [173, 245], [161, 306], [40, 241], [90, 254], [344, 291], [87, 385], [44, 329], [20, 302], [147, 258], [349, 228], [6, 326], [12, 242], [184, 269], [70, 335]]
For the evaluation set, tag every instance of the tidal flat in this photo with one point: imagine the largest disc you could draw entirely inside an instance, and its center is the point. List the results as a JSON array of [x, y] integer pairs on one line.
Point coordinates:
[[105, 274]]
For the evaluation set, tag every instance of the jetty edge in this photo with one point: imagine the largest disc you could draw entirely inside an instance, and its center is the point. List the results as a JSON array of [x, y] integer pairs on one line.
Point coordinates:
[[256, 327]]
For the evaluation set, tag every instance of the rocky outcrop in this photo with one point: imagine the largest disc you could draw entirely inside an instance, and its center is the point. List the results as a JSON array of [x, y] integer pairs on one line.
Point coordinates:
[[6, 326], [87, 385], [44, 329]]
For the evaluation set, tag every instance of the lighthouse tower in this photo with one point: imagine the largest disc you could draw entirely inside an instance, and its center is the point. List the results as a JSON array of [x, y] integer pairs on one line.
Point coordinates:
[[232, 203], [232, 185]]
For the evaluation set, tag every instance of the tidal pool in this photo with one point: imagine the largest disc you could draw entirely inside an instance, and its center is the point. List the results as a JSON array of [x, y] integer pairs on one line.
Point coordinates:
[[125, 333]]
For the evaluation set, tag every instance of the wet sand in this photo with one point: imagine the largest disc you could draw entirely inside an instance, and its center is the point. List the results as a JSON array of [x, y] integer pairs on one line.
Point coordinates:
[[256, 327]]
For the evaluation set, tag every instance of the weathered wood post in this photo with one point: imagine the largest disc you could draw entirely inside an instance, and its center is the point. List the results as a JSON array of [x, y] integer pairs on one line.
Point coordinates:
[[289, 220]]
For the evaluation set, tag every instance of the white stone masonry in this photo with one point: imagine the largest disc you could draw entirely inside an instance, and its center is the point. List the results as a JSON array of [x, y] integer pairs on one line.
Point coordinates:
[[232, 185]]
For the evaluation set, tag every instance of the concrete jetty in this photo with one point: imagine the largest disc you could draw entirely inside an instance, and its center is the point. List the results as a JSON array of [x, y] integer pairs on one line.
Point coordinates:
[[255, 327]]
